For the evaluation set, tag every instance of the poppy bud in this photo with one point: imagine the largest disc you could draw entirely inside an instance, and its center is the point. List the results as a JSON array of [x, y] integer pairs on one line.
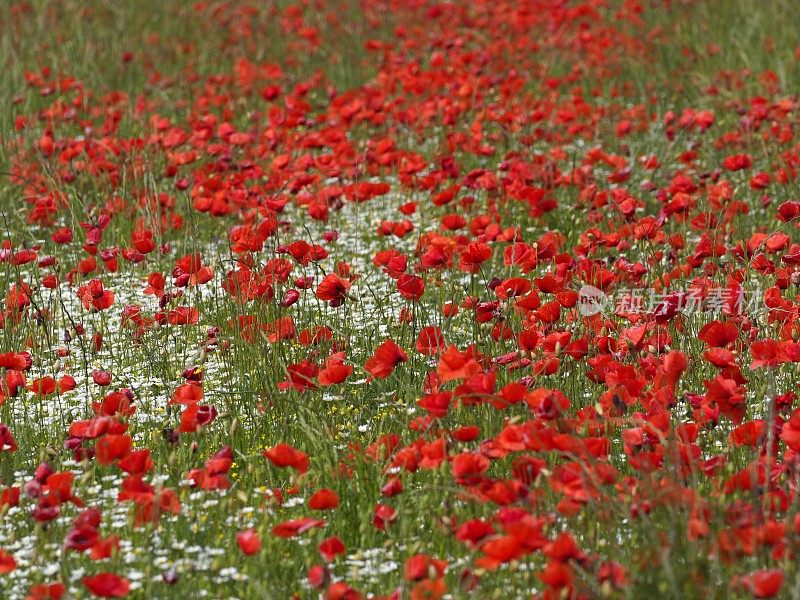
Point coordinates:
[[468, 580], [304, 282], [318, 576], [72, 443], [290, 297], [170, 436], [32, 489], [393, 487], [101, 378], [170, 577]]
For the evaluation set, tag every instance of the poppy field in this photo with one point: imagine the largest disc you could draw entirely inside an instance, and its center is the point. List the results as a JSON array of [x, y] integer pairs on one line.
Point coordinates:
[[401, 299]]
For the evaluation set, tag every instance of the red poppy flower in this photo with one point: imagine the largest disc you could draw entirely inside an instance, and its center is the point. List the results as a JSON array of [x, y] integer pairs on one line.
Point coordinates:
[[7, 562], [454, 364], [294, 527], [430, 340], [94, 296], [323, 499], [475, 254], [107, 585], [383, 516], [737, 162], [196, 416], [111, 448], [7, 441], [766, 583], [411, 287], [468, 467], [47, 591], [284, 455], [386, 357], [300, 377], [249, 541], [333, 289], [318, 575], [334, 370], [330, 548]]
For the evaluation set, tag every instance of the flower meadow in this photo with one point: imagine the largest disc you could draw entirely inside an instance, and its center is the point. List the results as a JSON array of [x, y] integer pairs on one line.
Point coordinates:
[[395, 299]]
